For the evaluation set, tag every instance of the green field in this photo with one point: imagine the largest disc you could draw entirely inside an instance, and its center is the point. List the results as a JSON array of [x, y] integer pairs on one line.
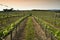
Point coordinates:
[[49, 16], [49, 22]]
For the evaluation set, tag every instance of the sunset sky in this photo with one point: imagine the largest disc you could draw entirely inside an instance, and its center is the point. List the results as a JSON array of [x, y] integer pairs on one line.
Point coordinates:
[[30, 4]]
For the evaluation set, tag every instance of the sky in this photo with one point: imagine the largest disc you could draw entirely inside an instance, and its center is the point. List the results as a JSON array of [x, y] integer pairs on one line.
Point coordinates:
[[30, 4]]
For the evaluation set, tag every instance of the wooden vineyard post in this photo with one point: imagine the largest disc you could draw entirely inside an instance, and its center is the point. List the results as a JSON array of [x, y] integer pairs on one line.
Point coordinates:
[[16, 29], [0, 38], [51, 35], [11, 35]]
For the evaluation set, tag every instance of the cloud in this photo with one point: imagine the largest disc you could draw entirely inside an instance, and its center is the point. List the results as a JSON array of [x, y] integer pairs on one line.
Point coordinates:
[[3, 5]]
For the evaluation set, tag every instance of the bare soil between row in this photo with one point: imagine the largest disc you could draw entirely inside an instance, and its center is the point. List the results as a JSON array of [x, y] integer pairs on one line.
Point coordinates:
[[39, 33]]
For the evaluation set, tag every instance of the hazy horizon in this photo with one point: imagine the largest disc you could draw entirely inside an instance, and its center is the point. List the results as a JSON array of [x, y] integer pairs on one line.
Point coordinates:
[[30, 4]]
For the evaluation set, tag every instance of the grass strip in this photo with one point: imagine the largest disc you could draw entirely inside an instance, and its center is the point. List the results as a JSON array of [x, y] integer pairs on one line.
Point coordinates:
[[29, 30]]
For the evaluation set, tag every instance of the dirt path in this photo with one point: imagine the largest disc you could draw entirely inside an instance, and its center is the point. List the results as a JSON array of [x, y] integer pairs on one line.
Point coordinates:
[[40, 34], [20, 33]]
